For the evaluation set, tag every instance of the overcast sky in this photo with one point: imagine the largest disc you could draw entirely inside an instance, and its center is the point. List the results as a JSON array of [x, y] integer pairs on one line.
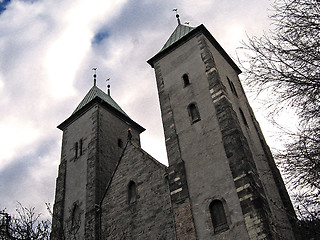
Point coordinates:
[[48, 49]]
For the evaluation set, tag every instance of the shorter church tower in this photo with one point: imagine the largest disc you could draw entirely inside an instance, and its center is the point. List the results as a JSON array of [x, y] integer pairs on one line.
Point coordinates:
[[93, 139]]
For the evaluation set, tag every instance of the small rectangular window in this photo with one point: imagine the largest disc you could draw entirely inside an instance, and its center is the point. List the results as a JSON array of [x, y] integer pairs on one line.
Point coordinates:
[[76, 150], [186, 80], [81, 147], [132, 192], [193, 113], [232, 87], [243, 117], [120, 143]]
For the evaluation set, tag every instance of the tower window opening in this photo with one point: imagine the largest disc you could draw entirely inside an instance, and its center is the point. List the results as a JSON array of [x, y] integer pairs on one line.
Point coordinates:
[[218, 216], [80, 147], [193, 113], [76, 147], [75, 216], [132, 192], [243, 117], [232, 87], [120, 143], [186, 80]]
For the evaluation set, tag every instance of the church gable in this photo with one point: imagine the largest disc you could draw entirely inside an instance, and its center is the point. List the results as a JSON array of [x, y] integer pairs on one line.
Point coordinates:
[[137, 201]]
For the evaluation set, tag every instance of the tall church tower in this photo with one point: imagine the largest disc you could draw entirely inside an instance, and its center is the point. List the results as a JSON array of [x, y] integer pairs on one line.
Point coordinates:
[[224, 183], [93, 140]]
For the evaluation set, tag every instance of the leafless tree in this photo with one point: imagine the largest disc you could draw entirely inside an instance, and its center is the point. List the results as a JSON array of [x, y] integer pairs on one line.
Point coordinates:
[[285, 62], [25, 225]]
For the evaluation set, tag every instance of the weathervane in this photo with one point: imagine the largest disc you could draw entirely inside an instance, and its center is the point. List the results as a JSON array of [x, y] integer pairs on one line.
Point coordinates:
[[177, 15], [108, 86], [94, 76]]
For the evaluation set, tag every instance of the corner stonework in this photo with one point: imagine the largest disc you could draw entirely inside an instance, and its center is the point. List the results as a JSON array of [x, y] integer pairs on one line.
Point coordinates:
[[180, 199], [179, 193], [249, 189]]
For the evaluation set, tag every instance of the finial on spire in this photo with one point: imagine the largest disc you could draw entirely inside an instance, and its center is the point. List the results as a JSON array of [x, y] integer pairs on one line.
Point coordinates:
[[94, 76], [108, 86], [177, 15]]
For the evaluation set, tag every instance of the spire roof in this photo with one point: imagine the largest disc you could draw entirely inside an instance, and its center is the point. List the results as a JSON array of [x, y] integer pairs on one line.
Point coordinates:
[[95, 95], [97, 92], [181, 34], [180, 31]]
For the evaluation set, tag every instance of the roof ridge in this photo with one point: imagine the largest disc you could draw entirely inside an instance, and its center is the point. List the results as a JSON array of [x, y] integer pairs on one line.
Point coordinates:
[[180, 31], [148, 155], [97, 92], [136, 146]]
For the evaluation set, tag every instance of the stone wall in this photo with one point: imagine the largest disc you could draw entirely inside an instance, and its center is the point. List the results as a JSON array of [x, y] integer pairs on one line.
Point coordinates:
[[276, 195], [150, 215]]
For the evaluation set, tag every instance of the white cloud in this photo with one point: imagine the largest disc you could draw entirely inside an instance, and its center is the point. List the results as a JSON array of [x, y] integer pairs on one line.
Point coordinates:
[[67, 52], [46, 56], [1, 83], [17, 137]]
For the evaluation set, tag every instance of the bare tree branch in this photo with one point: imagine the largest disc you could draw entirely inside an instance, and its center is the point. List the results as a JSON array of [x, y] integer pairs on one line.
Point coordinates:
[[27, 225], [286, 63]]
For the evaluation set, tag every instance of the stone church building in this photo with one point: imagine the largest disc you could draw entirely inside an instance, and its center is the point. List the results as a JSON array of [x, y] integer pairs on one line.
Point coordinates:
[[221, 182]]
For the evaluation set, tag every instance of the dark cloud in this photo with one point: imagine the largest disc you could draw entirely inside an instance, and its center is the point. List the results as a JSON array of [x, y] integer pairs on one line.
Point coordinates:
[[3, 5], [141, 15], [100, 36]]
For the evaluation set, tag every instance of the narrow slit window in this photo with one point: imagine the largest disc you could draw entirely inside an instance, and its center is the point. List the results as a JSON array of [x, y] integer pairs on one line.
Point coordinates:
[[243, 117], [76, 147], [80, 147], [232, 87], [218, 216], [186, 80], [132, 192], [75, 216], [193, 113]]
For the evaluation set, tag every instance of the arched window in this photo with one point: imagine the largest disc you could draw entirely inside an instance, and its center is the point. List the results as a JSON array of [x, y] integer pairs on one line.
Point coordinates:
[[243, 117], [75, 216], [218, 216], [132, 192], [120, 143], [186, 80], [193, 112]]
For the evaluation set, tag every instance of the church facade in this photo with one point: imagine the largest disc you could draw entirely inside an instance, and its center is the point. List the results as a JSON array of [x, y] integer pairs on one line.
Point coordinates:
[[221, 182]]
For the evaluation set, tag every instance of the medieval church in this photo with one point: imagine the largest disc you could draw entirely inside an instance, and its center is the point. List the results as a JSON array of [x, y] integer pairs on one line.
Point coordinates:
[[221, 182]]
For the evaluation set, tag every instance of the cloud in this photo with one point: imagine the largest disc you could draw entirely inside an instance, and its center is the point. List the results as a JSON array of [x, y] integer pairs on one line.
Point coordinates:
[[28, 180], [3, 5], [13, 145], [47, 51]]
